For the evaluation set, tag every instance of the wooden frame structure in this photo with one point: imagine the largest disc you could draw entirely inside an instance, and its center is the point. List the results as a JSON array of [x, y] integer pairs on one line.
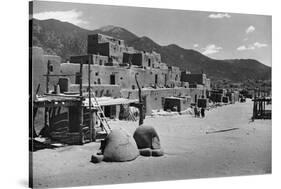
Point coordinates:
[[74, 118], [259, 108], [76, 125]]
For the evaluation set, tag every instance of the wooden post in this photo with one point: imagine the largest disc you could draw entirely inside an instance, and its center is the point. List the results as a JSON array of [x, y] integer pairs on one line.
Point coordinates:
[[47, 76], [46, 115], [80, 78], [81, 102], [92, 130], [140, 102]]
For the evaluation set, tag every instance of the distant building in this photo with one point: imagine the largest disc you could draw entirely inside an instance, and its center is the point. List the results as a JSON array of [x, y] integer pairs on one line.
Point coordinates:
[[194, 79]]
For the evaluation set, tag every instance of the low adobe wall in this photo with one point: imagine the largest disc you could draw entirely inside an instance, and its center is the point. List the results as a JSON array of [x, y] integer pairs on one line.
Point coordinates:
[[154, 98]]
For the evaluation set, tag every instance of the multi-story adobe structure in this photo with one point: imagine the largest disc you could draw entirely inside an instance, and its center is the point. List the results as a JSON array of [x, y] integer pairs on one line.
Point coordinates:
[[113, 68]]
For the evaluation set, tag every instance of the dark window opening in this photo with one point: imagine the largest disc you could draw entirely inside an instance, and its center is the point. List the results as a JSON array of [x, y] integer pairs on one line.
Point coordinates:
[[149, 62], [77, 78], [112, 79], [156, 79]]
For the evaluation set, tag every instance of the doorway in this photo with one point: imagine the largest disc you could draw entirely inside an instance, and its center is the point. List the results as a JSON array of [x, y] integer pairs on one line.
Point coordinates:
[[74, 122], [112, 79]]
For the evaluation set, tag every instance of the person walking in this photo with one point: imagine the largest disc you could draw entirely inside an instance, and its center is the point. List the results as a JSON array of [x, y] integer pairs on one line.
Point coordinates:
[[202, 112], [195, 111]]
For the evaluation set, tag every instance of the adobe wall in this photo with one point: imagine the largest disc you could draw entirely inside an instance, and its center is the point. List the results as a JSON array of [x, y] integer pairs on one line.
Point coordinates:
[[39, 63], [123, 76], [99, 90], [155, 97], [136, 58], [94, 59], [193, 78], [106, 46]]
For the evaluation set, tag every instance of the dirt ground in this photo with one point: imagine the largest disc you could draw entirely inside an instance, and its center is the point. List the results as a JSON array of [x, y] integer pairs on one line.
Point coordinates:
[[192, 150]]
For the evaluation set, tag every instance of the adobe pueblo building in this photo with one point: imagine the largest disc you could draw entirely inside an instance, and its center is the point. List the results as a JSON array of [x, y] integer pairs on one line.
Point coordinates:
[[107, 72], [113, 72]]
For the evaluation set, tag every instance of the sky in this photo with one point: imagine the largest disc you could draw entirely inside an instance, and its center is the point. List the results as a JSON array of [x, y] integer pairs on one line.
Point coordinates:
[[218, 35]]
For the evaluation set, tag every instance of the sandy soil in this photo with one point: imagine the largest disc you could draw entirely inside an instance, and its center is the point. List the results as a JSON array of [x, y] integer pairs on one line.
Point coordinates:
[[189, 152]]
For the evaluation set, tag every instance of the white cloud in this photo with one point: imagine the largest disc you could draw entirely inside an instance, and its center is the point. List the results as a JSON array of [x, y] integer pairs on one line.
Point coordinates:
[[242, 48], [72, 16], [250, 29], [195, 45], [219, 15], [253, 46], [260, 45], [211, 49]]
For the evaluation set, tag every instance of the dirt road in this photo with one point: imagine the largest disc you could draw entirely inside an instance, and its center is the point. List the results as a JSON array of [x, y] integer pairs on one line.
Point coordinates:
[[193, 149]]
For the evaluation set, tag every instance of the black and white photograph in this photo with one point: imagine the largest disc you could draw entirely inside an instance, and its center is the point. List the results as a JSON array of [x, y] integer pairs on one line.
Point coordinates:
[[122, 94]]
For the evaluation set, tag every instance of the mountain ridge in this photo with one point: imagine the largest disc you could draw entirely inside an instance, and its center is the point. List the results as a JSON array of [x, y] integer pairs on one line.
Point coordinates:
[[66, 39]]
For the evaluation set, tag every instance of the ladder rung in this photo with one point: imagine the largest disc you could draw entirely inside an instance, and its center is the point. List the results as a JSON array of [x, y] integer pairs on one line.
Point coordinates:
[[101, 115]]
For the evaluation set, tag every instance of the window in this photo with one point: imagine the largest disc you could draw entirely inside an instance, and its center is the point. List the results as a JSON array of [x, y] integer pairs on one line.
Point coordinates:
[[97, 73]]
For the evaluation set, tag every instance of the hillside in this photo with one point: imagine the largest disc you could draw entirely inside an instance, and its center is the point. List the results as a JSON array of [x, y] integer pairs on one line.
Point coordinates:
[[65, 40]]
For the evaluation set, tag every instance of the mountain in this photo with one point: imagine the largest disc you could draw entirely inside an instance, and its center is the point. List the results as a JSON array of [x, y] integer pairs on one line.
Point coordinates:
[[117, 32], [65, 40]]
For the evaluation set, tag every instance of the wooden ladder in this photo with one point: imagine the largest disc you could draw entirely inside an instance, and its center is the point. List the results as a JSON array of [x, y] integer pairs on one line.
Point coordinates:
[[106, 129]]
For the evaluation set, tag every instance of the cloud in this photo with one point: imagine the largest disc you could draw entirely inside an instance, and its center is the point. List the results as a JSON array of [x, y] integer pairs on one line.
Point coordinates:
[[250, 29], [260, 45], [73, 16], [253, 46], [219, 15], [211, 49], [195, 45], [242, 48]]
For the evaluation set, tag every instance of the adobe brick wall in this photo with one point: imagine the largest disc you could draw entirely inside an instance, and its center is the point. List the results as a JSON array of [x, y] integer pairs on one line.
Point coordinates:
[[39, 63]]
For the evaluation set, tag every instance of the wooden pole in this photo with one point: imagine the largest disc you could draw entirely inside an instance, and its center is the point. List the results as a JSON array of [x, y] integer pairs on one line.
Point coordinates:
[[140, 102], [92, 131], [80, 78], [46, 115], [47, 76], [81, 101]]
